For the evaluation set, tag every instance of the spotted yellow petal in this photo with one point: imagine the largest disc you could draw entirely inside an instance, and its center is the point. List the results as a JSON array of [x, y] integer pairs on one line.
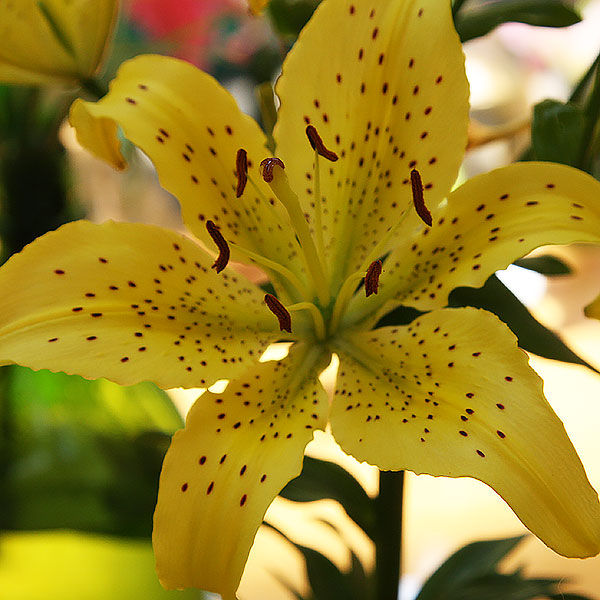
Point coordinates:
[[191, 128], [452, 395], [128, 302], [483, 226], [54, 40], [237, 451], [384, 84]]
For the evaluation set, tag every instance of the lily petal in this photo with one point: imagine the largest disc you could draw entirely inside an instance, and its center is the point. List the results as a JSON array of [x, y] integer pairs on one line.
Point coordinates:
[[42, 42], [384, 84], [237, 451], [131, 303], [457, 397], [484, 226], [191, 128]]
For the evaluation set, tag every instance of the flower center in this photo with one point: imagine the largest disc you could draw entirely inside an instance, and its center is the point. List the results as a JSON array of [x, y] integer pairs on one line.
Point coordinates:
[[325, 307]]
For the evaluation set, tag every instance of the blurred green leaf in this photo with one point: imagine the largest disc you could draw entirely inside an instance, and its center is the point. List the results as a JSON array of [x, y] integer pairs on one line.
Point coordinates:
[[533, 336], [467, 564], [557, 132], [327, 582], [498, 586], [545, 265], [323, 479], [84, 455], [476, 19], [290, 16]]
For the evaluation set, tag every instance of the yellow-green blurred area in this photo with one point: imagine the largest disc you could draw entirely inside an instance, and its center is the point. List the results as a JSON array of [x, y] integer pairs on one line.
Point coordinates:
[[61, 565]]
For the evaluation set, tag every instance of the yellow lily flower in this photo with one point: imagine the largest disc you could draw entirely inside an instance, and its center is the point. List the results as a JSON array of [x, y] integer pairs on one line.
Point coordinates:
[[54, 41], [380, 90]]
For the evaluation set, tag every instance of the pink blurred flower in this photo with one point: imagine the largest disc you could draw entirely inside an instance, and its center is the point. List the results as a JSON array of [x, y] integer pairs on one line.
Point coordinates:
[[188, 26]]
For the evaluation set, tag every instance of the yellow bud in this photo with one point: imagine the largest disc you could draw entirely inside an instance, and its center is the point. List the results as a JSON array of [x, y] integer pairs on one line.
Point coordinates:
[[54, 41]]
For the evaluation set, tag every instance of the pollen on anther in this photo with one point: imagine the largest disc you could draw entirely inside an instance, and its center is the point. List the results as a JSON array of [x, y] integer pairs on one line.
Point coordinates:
[[279, 310], [418, 199], [317, 144], [372, 277], [224, 252], [241, 170]]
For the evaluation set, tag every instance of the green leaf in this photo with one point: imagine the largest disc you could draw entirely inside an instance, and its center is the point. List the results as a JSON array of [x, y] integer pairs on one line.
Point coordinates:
[[290, 16], [465, 565], [557, 132], [323, 479], [83, 455], [498, 586], [479, 18], [533, 336], [327, 582], [545, 265]]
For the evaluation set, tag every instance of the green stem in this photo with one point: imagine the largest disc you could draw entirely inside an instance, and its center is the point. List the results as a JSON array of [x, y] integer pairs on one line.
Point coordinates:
[[388, 529]]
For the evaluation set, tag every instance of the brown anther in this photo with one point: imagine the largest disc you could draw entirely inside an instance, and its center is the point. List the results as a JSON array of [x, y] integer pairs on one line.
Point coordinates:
[[280, 311], [241, 170], [224, 252], [372, 277], [317, 144], [418, 200], [267, 166]]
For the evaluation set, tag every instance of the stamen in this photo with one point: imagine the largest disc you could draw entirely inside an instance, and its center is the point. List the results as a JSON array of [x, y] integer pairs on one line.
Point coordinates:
[[418, 200], [241, 169], [280, 311], [298, 286], [317, 144], [223, 258], [267, 166], [372, 277]]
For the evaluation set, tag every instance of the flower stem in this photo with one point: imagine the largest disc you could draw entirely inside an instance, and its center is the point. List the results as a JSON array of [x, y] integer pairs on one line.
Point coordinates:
[[388, 542]]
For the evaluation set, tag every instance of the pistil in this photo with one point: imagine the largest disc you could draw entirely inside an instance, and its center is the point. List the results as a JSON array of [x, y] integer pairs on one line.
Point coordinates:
[[272, 170]]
